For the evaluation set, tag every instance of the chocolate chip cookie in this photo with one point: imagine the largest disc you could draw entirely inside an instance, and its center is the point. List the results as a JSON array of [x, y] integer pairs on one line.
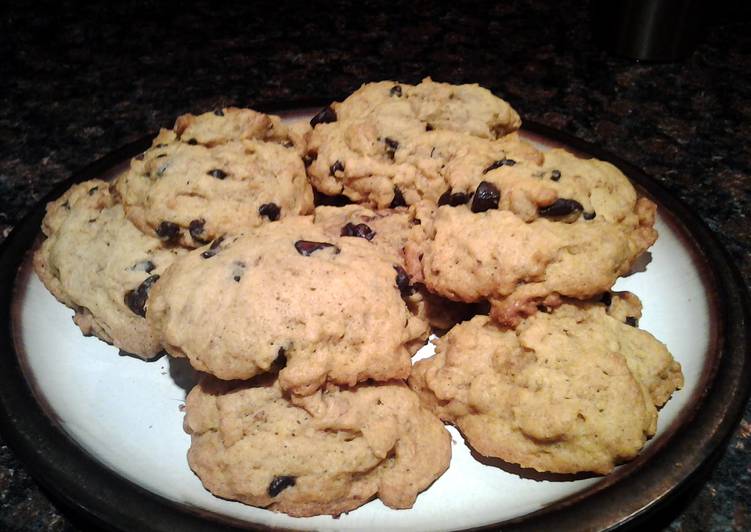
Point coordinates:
[[216, 173], [99, 264], [326, 308], [572, 390], [325, 454]]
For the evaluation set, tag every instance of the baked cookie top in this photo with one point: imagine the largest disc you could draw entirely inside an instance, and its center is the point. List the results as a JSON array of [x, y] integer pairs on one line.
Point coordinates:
[[331, 308], [216, 173], [567, 391], [530, 234], [325, 454], [99, 264], [382, 147]]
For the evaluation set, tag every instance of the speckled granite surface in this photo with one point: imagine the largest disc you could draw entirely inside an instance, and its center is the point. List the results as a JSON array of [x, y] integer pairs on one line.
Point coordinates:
[[77, 83]]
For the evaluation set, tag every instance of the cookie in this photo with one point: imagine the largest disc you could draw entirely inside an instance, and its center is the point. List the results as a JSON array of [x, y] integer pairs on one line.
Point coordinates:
[[568, 391], [383, 149], [326, 454], [531, 234], [330, 308], [214, 174], [99, 264]]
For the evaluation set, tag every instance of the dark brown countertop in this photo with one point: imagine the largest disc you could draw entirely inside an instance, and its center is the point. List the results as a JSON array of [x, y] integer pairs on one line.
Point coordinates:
[[77, 83]]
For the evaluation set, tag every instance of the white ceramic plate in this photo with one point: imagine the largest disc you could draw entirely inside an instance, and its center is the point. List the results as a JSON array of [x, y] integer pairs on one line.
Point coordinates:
[[125, 414]]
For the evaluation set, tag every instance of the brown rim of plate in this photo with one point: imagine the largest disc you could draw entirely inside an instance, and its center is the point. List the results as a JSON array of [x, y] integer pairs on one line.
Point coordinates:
[[677, 461]]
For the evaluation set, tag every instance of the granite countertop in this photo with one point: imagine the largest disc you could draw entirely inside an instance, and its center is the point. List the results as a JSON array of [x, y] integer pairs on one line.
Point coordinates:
[[77, 83]]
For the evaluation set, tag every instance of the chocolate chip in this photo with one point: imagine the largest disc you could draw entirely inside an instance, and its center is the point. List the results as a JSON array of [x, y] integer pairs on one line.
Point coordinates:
[[561, 207], [139, 157], [238, 269], [219, 112], [391, 147], [402, 281], [218, 173], [543, 308], [308, 159], [454, 200], [555, 175], [135, 300], [398, 200], [338, 166], [192, 142], [288, 144], [606, 298], [486, 197], [632, 321], [161, 155], [498, 164], [213, 248], [279, 484], [324, 116], [143, 266], [168, 231], [306, 248], [589, 215], [359, 230], [270, 211], [428, 127], [335, 201], [93, 190], [281, 358], [195, 228], [396, 90]]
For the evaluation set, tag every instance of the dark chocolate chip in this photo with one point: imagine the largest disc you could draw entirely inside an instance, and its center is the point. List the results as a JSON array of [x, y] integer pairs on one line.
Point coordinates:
[[561, 207], [218, 173], [307, 248], [398, 200], [543, 308], [143, 266], [606, 298], [324, 116], [428, 127], [135, 300], [196, 230], [454, 200], [334, 201], [288, 144], [279, 484], [308, 159], [402, 281], [139, 157], [93, 190], [168, 231], [219, 112], [396, 90], [498, 164], [192, 142], [338, 166], [555, 175], [632, 321], [270, 211], [391, 146], [281, 358], [486, 197], [359, 230], [589, 215], [213, 248]]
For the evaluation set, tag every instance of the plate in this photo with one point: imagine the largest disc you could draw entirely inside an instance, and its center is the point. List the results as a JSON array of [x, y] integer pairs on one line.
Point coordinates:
[[104, 433]]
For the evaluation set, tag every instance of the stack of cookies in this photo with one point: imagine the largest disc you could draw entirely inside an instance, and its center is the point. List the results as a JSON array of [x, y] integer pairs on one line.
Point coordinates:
[[301, 267]]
